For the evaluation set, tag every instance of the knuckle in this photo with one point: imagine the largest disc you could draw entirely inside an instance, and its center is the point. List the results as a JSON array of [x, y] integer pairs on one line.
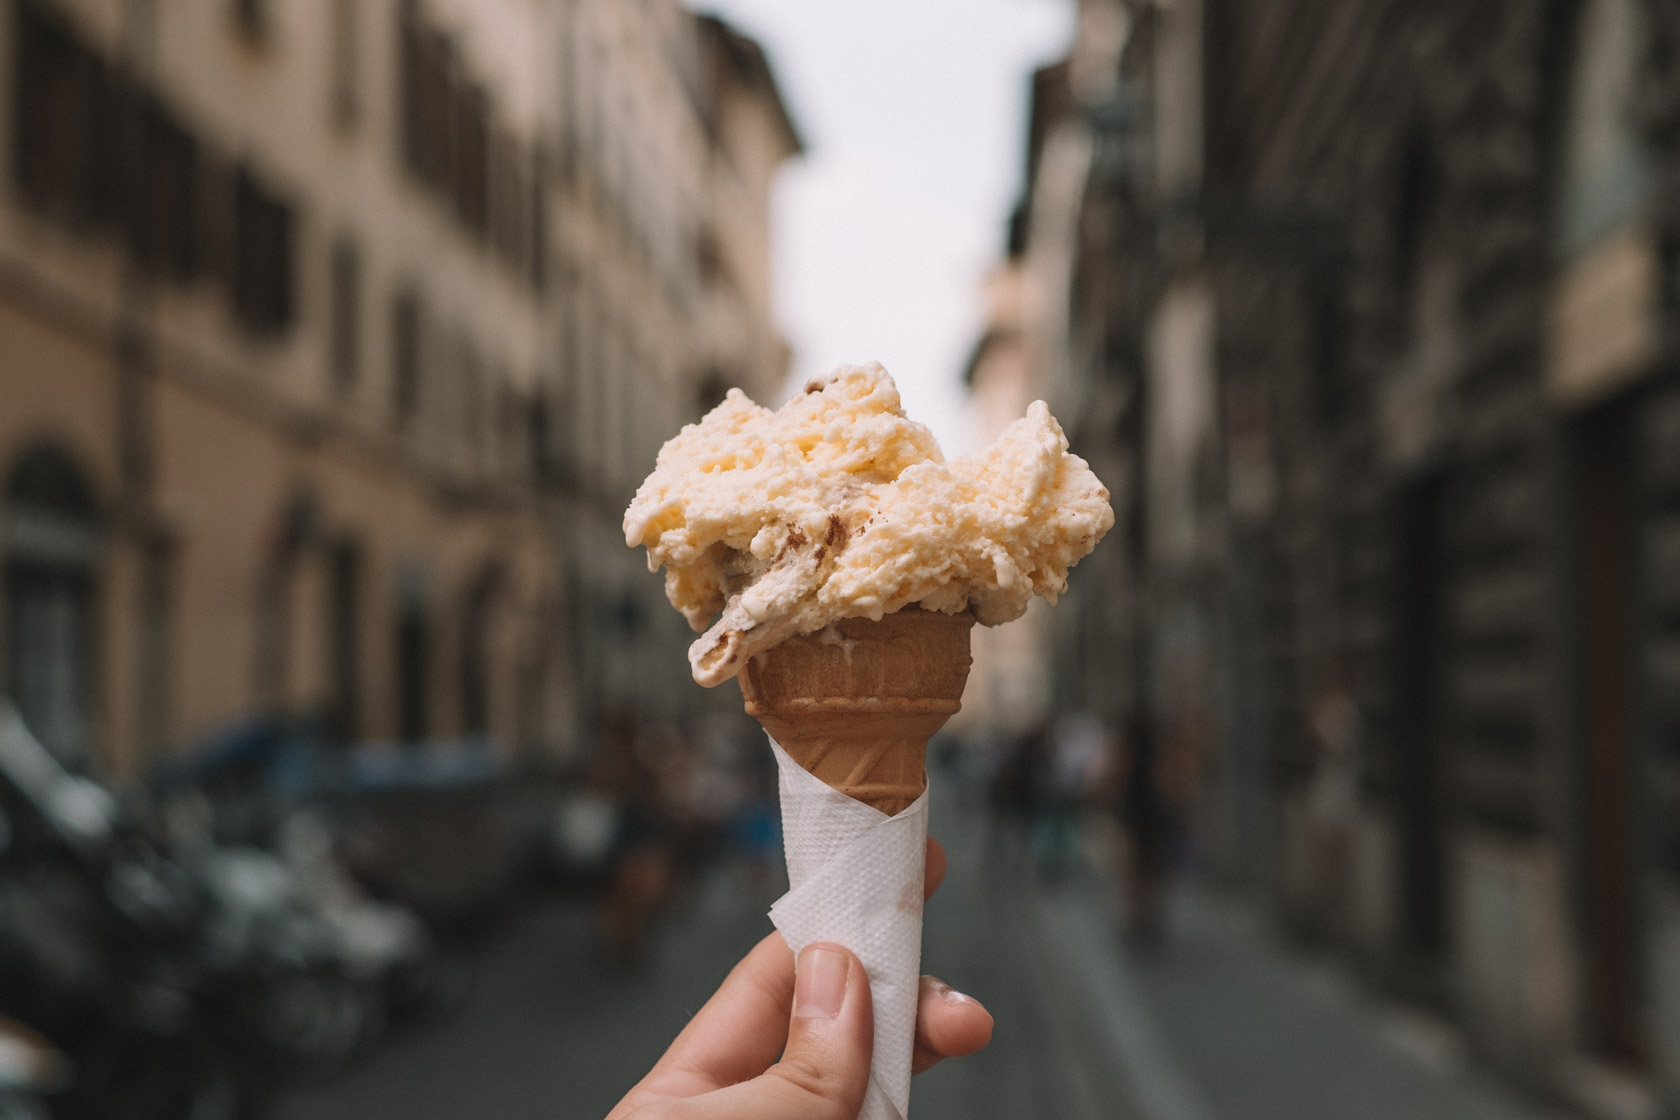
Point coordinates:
[[819, 1093], [803, 1074]]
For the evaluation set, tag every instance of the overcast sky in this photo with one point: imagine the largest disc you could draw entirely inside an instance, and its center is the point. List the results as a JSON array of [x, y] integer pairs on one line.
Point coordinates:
[[914, 114]]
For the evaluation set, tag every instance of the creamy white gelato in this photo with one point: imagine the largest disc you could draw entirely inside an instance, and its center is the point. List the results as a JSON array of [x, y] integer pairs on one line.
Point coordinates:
[[837, 505]]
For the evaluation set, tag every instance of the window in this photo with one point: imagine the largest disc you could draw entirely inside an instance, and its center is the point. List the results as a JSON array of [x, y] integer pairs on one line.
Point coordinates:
[[92, 150], [344, 638], [469, 398], [427, 101], [713, 387], [471, 153], [510, 200], [346, 315], [346, 54], [217, 217], [252, 18], [536, 233], [1328, 337], [509, 429], [62, 136], [162, 210], [1416, 203], [413, 660], [51, 539], [262, 266], [1668, 273], [72, 114], [477, 619], [539, 438], [708, 256], [405, 356], [152, 641], [456, 145], [1607, 169]]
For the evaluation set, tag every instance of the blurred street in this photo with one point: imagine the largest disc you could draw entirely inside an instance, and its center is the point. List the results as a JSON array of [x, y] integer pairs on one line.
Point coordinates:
[[1340, 778], [1220, 1021], [551, 1031]]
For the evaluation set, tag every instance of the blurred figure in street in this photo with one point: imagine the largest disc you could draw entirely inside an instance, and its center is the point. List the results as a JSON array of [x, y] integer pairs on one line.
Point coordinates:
[[757, 821], [1072, 754], [1011, 793], [1333, 795], [641, 860], [1145, 817], [692, 796]]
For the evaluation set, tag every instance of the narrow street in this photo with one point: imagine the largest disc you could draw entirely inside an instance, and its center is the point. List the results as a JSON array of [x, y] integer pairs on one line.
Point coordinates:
[[1223, 1022]]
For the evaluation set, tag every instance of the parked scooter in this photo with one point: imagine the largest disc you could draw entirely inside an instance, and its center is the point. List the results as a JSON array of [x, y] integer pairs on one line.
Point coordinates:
[[253, 806], [180, 987], [100, 949], [31, 1069], [385, 947]]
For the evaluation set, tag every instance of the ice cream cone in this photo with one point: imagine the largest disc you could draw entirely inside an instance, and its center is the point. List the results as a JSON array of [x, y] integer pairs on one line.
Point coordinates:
[[856, 703]]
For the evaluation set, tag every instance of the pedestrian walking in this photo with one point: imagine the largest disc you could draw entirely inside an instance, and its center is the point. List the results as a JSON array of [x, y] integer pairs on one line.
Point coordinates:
[[1145, 818], [642, 856]]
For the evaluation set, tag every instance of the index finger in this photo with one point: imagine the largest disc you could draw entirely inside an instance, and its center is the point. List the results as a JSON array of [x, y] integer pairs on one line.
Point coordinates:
[[935, 867]]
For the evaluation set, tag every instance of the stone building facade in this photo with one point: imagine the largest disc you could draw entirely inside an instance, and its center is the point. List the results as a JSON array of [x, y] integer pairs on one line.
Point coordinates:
[[671, 141], [1387, 293], [321, 320], [1050, 660]]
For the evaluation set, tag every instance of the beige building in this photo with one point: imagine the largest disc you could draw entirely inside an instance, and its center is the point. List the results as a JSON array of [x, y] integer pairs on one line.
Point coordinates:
[[317, 317], [673, 134]]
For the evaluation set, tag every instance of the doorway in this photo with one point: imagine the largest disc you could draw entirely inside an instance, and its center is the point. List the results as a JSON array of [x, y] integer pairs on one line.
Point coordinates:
[[344, 606], [1419, 645], [1604, 521], [51, 533], [413, 667], [476, 652]]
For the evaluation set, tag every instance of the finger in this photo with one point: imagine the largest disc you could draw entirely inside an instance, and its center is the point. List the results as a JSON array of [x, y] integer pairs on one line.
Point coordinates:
[[824, 1072], [832, 1030], [948, 1024], [738, 1033], [935, 867], [742, 1028]]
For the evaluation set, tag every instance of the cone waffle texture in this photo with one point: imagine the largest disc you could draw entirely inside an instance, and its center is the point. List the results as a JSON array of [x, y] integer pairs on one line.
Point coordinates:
[[856, 702]]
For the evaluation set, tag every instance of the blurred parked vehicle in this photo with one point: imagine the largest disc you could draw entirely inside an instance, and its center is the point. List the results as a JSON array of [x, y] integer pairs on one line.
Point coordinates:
[[31, 1069], [101, 947], [188, 981]]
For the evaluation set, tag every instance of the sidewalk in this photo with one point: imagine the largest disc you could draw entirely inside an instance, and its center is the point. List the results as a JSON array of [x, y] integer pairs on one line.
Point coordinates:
[[1263, 1031], [1222, 1022]]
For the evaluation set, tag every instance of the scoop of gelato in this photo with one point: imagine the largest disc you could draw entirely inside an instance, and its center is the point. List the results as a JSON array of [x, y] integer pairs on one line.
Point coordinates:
[[776, 523]]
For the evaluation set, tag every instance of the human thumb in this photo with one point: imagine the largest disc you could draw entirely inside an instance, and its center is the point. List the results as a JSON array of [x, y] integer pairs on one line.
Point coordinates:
[[830, 1034]]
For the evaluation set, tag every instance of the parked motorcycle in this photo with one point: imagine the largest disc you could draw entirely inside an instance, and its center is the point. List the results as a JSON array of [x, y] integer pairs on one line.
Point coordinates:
[[31, 1069], [181, 987], [99, 948]]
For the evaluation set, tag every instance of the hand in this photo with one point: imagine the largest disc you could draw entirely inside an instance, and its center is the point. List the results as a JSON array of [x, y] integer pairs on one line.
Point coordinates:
[[724, 1065]]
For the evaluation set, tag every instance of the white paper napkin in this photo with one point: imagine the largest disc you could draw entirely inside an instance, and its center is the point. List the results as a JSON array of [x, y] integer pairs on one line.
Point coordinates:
[[856, 877]]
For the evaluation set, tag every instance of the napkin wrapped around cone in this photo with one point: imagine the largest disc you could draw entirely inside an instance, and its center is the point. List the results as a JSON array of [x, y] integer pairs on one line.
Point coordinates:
[[850, 710]]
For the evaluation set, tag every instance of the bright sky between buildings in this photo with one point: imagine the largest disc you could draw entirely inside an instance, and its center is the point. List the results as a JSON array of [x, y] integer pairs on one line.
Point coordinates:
[[914, 114]]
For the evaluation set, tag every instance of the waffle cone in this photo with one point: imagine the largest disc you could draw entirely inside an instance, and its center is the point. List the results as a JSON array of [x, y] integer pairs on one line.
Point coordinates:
[[856, 703]]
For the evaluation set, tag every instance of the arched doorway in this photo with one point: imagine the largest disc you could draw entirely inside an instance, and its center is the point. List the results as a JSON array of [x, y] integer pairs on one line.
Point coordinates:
[[478, 650], [344, 612], [413, 658], [51, 548]]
